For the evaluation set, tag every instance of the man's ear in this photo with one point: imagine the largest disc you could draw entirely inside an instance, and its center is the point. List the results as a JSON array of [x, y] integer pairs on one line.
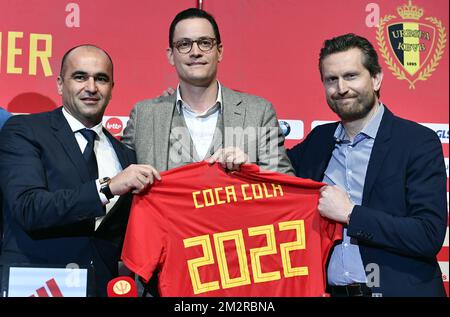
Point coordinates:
[[169, 53], [111, 95], [376, 80], [220, 50], [59, 85]]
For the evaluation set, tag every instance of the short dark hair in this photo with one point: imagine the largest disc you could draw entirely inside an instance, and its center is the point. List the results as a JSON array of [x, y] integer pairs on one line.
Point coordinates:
[[346, 42], [64, 58], [192, 13]]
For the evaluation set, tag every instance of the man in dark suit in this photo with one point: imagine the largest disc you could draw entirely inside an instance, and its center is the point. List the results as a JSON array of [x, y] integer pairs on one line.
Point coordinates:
[[386, 182], [67, 181]]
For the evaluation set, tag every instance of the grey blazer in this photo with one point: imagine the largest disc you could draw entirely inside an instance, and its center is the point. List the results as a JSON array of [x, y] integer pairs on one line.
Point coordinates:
[[250, 123]]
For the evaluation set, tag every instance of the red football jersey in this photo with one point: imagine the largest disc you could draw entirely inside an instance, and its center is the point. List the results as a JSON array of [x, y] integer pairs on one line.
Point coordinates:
[[208, 232]]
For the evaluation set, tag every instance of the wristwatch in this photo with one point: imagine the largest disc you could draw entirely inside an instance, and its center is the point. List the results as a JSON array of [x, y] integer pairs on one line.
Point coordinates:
[[104, 187]]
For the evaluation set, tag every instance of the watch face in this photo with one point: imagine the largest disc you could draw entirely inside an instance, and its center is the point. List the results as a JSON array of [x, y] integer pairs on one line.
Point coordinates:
[[105, 188]]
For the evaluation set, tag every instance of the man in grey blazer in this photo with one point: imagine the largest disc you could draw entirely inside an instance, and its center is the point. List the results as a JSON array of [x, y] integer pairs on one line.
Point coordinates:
[[204, 120]]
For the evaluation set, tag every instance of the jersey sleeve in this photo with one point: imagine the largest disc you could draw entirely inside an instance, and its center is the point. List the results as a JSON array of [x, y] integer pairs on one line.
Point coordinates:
[[331, 232], [145, 238]]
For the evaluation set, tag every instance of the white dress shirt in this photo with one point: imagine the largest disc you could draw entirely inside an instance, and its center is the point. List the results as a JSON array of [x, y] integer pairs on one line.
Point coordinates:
[[107, 161], [201, 125]]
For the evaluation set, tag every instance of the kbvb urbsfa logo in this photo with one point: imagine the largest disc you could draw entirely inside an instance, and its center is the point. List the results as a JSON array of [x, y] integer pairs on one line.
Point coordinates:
[[415, 44]]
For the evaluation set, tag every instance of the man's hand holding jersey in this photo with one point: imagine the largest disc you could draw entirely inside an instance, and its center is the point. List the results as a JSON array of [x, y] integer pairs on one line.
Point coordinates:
[[335, 204], [135, 178], [230, 158]]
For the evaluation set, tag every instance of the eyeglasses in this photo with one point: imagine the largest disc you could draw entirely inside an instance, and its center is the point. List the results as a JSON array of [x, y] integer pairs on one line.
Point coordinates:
[[205, 44]]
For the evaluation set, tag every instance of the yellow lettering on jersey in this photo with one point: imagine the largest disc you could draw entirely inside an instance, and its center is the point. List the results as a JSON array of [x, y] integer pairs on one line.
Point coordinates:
[[277, 187], [266, 192], [208, 193], [237, 237], [243, 187], [231, 193], [257, 191], [298, 244], [193, 264], [220, 195], [194, 197], [216, 191], [257, 253]]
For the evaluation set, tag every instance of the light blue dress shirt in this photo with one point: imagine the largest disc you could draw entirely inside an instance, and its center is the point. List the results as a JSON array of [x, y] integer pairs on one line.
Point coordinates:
[[4, 115], [347, 169]]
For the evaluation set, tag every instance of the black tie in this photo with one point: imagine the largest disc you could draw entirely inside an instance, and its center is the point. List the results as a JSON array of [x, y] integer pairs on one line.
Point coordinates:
[[89, 154]]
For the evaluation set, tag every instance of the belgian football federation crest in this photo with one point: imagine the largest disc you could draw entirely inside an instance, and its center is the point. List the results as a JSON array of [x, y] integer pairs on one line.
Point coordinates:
[[411, 45]]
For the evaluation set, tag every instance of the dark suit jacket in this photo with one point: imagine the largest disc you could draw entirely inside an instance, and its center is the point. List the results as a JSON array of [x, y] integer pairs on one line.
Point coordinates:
[[402, 221], [50, 204]]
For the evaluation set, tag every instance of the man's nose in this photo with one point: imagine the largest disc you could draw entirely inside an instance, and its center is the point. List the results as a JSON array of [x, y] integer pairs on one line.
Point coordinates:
[[342, 86], [91, 85], [195, 51]]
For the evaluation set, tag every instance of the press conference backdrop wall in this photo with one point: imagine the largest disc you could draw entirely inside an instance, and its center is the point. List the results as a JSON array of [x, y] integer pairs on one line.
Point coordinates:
[[271, 49]]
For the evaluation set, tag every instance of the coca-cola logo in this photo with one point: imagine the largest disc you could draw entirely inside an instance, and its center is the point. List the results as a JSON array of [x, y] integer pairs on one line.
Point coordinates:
[[114, 125]]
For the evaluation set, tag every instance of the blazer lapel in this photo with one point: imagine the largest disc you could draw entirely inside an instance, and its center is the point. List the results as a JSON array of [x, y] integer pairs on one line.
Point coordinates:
[[379, 151], [181, 137], [217, 141], [233, 114], [67, 139], [124, 162], [163, 120]]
